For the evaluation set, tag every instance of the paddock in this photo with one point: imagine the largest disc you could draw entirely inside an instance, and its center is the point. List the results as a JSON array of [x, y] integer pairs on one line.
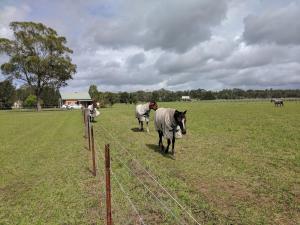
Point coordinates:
[[238, 163]]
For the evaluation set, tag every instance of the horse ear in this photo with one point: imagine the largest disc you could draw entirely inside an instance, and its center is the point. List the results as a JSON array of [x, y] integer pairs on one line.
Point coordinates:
[[184, 112]]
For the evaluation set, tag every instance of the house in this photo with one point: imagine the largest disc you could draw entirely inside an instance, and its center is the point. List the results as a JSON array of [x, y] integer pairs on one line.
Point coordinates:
[[75, 98], [18, 104], [186, 98]]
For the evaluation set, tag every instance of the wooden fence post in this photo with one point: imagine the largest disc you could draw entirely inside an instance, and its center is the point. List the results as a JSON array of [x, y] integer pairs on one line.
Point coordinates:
[[108, 188], [93, 151], [89, 134], [86, 120], [83, 113]]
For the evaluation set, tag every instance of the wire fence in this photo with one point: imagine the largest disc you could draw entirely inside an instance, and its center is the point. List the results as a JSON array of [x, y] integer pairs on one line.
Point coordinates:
[[129, 180]]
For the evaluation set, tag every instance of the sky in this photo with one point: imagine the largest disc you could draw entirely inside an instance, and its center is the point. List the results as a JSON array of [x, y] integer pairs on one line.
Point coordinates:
[[129, 45]]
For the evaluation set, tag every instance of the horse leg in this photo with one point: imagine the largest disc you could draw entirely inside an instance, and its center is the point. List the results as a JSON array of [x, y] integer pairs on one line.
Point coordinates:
[[160, 143], [159, 138], [147, 126], [169, 142], [142, 128], [173, 144]]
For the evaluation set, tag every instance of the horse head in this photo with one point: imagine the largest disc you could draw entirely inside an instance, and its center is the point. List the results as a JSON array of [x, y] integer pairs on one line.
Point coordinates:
[[153, 105], [180, 119]]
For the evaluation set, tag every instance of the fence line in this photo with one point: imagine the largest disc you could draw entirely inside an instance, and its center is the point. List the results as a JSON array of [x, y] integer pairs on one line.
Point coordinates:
[[152, 177], [121, 187], [127, 196], [148, 189]]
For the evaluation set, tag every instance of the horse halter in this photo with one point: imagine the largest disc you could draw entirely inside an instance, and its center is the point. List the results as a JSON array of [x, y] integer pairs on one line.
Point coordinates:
[[180, 122], [153, 105]]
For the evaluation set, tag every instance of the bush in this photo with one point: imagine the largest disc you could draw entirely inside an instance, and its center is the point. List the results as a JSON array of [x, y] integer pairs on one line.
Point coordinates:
[[30, 101]]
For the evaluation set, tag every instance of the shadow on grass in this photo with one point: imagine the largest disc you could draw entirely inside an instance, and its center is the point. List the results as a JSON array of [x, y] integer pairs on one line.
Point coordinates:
[[156, 149], [136, 129]]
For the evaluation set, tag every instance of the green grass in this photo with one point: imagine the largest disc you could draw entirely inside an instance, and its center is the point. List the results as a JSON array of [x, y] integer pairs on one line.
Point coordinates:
[[43, 176], [238, 164]]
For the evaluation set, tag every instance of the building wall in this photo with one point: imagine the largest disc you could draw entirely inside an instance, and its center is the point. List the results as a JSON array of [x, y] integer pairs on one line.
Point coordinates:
[[76, 101], [70, 102]]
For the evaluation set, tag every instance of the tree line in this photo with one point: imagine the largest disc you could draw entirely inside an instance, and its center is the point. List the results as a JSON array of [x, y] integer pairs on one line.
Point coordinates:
[[25, 95], [163, 95], [50, 96]]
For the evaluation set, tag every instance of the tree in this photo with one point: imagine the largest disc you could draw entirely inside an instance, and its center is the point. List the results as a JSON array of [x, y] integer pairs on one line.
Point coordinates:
[[30, 101], [124, 97], [37, 56], [155, 96], [50, 96], [110, 98], [7, 94], [93, 91], [23, 92], [132, 98], [208, 95]]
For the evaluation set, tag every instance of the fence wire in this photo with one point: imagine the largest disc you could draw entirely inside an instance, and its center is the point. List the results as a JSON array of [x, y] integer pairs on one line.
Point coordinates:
[[151, 176]]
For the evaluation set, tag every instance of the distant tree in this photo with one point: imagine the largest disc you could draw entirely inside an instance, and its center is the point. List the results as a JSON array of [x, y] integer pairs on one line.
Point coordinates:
[[37, 56], [155, 96], [208, 95], [124, 97], [132, 98], [30, 101], [7, 94], [110, 98], [93, 91], [23, 92], [50, 96]]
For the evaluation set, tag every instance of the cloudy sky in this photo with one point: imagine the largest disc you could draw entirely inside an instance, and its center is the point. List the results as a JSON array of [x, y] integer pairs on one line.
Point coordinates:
[[150, 44]]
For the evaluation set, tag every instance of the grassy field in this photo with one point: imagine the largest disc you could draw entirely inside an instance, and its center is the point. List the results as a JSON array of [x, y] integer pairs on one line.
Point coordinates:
[[43, 169], [238, 164]]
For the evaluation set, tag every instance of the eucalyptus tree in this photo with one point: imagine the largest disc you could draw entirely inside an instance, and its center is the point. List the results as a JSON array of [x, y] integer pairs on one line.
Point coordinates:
[[38, 56]]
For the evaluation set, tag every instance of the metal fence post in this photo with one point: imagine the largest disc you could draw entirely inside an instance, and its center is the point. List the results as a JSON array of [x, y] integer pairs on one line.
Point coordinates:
[[108, 188]]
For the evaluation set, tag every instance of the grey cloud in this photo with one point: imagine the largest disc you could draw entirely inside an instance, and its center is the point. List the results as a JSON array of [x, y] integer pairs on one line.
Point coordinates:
[[216, 49], [265, 77], [281, 26], [173, 44], [170, 25], [136, 59], [259, 55]]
